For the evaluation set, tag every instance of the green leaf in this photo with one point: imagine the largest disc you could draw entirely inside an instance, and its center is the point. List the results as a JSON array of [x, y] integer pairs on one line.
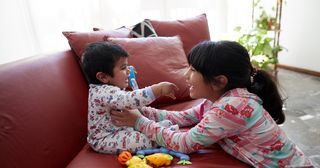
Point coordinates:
[[237, 29], [259, 41], [184, 162], [140, 156], [256, 3], [268, 50]]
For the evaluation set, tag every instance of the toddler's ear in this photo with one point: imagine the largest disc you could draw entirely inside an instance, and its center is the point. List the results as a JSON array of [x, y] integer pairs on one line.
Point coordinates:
[[102, 77]]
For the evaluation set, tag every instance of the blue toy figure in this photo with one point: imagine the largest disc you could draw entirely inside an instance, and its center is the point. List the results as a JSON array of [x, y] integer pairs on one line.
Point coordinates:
[[132, 78]]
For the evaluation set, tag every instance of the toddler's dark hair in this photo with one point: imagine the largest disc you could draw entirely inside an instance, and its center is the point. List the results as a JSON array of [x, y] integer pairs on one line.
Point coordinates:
[[232, 60], [100, 57]]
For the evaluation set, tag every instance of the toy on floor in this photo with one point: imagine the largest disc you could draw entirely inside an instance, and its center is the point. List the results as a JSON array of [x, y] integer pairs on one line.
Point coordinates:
[[124, 156], [158, 159], [137, 162], [132, 78], [150, 161], [184, 159]]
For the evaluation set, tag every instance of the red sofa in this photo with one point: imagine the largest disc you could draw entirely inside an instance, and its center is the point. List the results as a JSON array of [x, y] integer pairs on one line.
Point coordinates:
[[43, 106], [43, 118]]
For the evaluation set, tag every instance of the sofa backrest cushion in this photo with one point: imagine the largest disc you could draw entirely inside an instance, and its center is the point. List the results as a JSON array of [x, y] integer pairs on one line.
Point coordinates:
[[97, 29], [43, 116], [78, 41], [192, 30], [143, 29], [158, 59]]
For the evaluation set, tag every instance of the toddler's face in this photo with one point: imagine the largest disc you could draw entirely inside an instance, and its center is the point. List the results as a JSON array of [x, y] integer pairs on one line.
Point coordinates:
[[120, 73]]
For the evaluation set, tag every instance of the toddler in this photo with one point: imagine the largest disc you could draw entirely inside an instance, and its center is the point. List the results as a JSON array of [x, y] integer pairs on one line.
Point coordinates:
[[106, 67]]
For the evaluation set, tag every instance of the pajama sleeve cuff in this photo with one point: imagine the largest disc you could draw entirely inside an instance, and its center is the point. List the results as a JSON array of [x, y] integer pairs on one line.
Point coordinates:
[[141, 121], [150, 92]]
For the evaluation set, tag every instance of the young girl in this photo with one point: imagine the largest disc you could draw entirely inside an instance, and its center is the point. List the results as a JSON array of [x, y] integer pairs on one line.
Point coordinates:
[[106, 68], [240, 113]]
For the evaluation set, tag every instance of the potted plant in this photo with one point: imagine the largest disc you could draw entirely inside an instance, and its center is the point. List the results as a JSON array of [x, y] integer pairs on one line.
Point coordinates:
[[262, 40]]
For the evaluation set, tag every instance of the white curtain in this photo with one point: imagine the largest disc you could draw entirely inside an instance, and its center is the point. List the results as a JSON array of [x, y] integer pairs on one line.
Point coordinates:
[[31, 27]]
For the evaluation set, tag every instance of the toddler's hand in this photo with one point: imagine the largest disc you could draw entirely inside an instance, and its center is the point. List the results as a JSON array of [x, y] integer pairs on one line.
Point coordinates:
[[164, 89], [168, 89]]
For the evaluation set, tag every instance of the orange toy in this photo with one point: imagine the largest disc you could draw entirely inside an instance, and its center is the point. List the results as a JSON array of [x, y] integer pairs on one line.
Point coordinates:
[[124, 156]]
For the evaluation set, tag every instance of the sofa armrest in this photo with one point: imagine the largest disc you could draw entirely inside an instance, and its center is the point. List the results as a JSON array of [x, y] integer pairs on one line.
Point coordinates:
[[43, 116]]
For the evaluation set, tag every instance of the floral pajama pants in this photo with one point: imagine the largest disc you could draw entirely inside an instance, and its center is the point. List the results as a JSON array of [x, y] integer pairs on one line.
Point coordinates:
[[126, 139]]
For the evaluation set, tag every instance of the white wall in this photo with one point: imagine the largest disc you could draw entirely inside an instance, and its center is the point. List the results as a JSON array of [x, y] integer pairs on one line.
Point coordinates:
[[26, 29], [301, 34], [34, 27], [15, 31]]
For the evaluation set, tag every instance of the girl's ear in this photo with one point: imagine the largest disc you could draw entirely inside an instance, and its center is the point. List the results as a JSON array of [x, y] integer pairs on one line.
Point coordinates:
[[222, 82], [102, 77]]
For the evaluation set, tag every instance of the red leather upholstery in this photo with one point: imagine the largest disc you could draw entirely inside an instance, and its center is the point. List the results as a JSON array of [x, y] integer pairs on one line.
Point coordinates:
[[79, 40], [43, 111], [158, 59], [214, 157], [43, 118], [205, 158], [191, 30]]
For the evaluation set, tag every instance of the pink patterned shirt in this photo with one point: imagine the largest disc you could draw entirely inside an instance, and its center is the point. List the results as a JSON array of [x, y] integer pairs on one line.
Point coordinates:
[[236, 121]]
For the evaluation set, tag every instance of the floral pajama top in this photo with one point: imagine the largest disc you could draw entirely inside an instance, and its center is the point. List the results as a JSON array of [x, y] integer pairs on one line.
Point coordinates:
[[237, 122], [101, 131]]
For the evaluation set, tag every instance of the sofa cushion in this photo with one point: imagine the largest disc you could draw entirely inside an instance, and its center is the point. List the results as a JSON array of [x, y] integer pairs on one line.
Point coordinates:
[[97, 29], [214, 156], [143, 29], [204, 158], [158, 59], [191, 30], [79, 40]]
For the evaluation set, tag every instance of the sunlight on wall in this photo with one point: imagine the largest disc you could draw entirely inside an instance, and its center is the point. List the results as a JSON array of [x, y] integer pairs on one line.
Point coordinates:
[[35, 26]]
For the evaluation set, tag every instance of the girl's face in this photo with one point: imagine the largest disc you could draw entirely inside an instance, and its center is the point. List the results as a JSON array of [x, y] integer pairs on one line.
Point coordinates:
[[197, 86], [120, 74]]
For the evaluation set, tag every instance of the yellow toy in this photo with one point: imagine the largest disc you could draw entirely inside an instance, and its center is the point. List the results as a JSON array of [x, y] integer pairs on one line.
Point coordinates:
[[136, 162], [184, 159], [159, 159], [150, 161], [156, 157]]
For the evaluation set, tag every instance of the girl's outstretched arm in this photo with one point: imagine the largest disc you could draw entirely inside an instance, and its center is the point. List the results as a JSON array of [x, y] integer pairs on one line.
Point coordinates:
[[209, 130], [182, 118]]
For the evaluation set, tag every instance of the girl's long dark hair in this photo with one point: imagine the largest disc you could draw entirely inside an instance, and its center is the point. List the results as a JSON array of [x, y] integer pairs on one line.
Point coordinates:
[[232, 60]]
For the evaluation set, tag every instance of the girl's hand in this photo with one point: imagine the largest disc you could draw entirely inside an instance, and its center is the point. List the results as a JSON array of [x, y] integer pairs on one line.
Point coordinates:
[[125, 118]]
